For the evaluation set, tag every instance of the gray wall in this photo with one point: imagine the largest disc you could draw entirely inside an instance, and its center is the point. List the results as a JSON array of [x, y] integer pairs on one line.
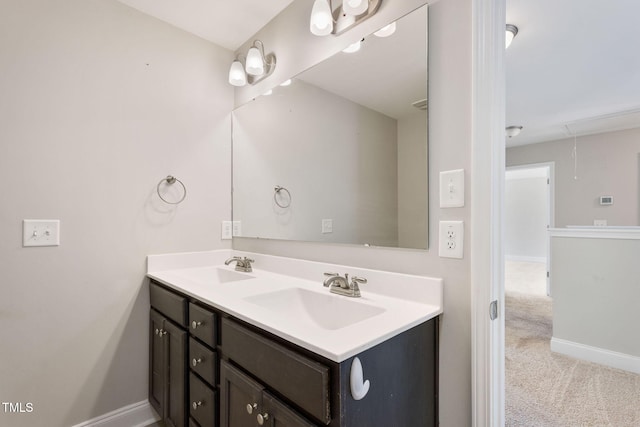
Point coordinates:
[[596, 291], [608, 164], [413, 185], [98, 104], [450, 138]]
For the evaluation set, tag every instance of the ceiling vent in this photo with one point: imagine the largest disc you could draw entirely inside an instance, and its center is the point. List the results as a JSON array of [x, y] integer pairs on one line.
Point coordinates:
[[420, 105]]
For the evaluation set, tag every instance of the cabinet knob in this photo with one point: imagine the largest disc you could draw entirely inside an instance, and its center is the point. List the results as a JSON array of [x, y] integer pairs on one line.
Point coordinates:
[[195, 405], [161, 332], [262, 418], [251, 407], [195, 361], [157, 331], [195, 324]]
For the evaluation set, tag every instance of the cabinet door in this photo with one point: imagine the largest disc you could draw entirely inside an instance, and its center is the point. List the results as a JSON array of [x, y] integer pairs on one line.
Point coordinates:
[[277, 414], [240, 398], [176, 341], [157, 371]]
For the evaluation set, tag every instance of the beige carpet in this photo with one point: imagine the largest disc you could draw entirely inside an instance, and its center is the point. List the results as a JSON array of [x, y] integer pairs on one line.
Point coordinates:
[[545, 389]]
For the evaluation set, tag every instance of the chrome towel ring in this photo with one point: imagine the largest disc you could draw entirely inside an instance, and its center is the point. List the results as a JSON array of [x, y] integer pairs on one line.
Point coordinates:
[[170, 180], [287, 199]]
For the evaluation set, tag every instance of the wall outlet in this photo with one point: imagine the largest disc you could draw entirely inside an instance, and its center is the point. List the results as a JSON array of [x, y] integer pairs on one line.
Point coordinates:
[[40, 232], [327, 226], [600, 222], [237, 229], [226, 230], [451, 239]]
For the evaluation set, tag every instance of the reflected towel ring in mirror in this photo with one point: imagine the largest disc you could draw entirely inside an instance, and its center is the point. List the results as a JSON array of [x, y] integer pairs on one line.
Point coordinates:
[[287, 199], [170, 180]]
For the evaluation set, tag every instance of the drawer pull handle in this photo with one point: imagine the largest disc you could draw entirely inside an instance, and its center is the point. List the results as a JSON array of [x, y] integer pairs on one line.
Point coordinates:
[[196, 404], [251, 407], [262, 418], [195, 324], [195, 361]]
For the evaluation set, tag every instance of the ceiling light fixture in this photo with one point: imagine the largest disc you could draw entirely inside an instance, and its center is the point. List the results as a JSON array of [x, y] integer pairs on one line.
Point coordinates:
[[386, 31], [512, 131], [325, 20], [510, 34], [257, 66]]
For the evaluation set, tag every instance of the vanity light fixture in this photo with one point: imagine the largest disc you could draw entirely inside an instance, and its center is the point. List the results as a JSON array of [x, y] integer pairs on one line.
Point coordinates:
[[354, 47], [321, 23], [510, 34], [257, 66], [325, 20], [386, 31], [512, 131]]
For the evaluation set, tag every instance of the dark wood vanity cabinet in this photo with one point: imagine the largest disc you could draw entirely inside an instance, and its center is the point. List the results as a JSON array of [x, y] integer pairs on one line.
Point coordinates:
[[167, 373], [231, 374]]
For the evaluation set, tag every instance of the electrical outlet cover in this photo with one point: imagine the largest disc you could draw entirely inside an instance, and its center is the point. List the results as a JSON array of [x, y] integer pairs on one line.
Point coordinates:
[[451, 239]]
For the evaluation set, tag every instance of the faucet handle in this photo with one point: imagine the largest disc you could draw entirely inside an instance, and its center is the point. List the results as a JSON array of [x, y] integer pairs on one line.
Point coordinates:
[[355, 279], [248, 259], [331, 274]]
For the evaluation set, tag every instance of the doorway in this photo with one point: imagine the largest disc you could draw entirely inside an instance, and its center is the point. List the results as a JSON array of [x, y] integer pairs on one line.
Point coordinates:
[[528, 217]]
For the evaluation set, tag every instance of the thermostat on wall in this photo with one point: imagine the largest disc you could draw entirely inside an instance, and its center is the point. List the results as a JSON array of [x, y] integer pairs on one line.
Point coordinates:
[[606, 200]]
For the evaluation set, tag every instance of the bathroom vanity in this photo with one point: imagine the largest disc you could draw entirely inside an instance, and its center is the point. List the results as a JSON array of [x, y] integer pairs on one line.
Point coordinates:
[[234, 349]]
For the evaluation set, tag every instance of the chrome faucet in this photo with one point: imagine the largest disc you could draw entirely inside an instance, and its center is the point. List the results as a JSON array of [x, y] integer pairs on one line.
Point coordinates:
[[341, 285], [242, 264]]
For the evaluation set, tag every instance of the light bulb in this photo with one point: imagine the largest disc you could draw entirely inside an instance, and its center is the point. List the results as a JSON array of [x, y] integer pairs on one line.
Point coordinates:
[[255, 63], [321, 22], [510, 34], [354, 47], [355, 7], [386, 31], [237, 77]]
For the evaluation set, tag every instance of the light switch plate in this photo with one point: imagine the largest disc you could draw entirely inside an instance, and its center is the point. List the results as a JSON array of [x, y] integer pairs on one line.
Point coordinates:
[[237, 229], [451, 239], [452, 188], [327, 226], [40, 232], [226, 230]]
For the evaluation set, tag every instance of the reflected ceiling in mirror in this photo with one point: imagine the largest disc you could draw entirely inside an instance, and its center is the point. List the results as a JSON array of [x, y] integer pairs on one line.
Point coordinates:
[[340, 154]]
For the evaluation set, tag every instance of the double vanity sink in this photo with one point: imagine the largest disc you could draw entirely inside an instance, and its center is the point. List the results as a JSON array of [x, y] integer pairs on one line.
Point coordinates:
[[273, 346], [286, 297]]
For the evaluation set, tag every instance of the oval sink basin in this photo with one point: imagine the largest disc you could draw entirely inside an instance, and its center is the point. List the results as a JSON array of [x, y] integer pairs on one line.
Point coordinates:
[[326, 311], [214, 275]]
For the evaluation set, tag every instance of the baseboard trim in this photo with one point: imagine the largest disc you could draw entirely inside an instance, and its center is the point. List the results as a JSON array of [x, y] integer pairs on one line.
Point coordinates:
[[139, 414], [521, 258], [602, 356]]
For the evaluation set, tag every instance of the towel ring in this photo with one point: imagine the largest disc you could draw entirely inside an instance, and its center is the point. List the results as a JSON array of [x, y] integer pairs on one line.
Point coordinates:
[[169, 180], [278, 189]]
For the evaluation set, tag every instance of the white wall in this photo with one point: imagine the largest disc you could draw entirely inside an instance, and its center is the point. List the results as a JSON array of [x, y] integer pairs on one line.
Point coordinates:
[[608, 164], [99, 103], [450, 124], [526, 216], [323, 148]]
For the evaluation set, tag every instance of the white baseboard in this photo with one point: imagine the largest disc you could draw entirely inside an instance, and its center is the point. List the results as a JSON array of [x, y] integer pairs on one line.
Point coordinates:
[[522, 258], [602, 356], [139, 414]]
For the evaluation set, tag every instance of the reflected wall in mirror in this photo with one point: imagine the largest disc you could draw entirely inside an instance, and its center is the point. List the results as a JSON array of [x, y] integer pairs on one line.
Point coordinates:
[[347, 145]]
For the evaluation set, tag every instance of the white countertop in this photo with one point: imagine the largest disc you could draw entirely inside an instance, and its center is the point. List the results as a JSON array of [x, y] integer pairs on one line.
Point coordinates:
[[399, 301]]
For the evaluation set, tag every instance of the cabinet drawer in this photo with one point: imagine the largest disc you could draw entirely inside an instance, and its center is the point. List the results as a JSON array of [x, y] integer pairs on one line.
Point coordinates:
[[168, 303], [202, 324], [202, 401], [203, 361], [303, 381]]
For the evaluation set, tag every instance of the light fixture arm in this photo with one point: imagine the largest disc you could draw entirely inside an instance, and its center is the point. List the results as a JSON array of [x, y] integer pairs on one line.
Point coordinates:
[[345, 22], [269, 61]]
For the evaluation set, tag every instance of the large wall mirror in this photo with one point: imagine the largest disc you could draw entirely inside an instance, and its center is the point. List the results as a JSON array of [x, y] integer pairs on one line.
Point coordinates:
[[340, 154]]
